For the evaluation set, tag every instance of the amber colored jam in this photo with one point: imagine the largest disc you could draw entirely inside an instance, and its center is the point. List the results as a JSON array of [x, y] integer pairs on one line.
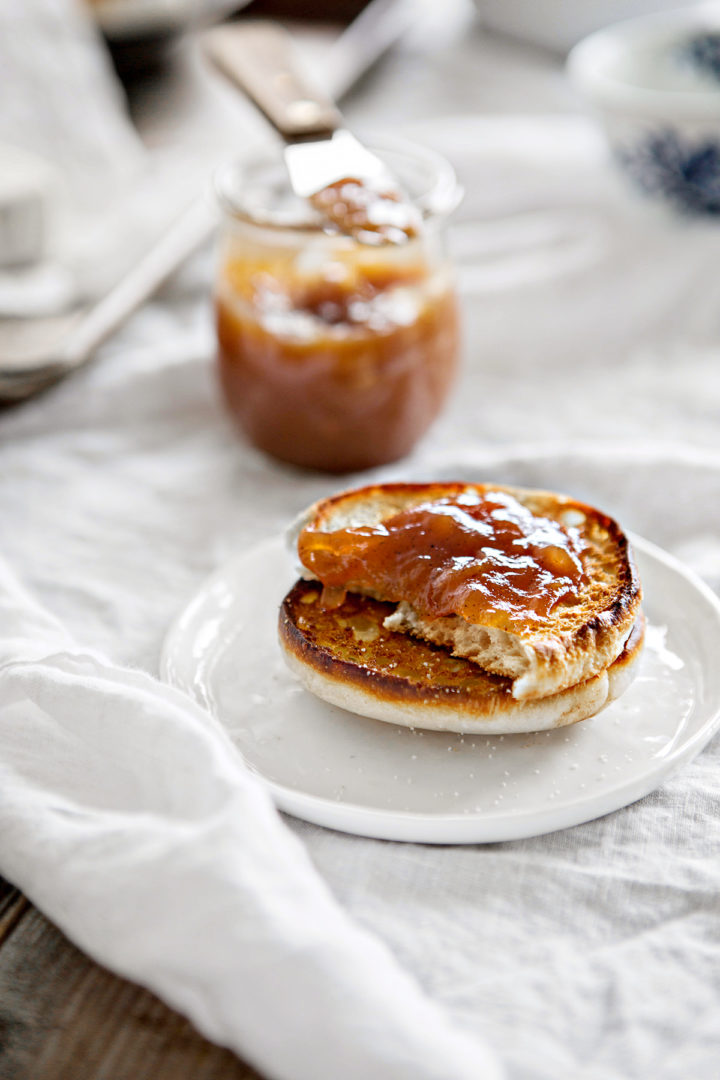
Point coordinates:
[[485, 557], [372, 215], [340, 368]]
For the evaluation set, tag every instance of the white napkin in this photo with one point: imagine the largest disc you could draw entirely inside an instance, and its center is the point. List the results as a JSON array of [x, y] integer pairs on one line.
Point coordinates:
[[130, 819]]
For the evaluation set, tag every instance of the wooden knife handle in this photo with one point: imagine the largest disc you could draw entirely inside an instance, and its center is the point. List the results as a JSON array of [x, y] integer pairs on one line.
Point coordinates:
[[260, 58]]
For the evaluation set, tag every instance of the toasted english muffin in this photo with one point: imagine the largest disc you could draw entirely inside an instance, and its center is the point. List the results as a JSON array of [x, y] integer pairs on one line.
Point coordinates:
[[347, 656], [542, 653]]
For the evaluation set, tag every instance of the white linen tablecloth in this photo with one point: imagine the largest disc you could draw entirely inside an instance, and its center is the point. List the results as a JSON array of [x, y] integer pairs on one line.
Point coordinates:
[[592, 339]]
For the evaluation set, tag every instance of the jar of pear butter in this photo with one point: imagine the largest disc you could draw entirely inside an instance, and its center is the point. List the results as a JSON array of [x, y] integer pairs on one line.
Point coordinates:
[[333, 353]]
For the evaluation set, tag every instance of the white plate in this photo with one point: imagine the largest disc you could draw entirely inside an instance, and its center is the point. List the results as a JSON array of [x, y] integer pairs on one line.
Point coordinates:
[[362, 776]]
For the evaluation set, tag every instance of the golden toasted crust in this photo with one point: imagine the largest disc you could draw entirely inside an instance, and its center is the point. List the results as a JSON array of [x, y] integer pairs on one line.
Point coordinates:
[[578, 641], [348, 657]]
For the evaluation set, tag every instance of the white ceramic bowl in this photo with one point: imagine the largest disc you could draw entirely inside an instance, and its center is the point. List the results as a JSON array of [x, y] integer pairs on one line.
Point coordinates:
[[659, 102], [560, 24]]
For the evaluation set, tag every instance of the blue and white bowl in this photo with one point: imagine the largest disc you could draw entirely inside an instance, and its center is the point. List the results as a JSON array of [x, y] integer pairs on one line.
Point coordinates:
[[655, 84]]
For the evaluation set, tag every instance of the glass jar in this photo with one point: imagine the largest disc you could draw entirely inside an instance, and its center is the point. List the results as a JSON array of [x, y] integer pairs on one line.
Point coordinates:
[[333, 354]]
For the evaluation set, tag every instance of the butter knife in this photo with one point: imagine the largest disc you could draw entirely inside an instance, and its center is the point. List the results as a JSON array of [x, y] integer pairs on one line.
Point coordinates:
[[349, 186]]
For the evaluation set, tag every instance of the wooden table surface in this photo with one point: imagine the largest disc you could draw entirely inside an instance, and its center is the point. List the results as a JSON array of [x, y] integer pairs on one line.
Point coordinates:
[[63, 1017]]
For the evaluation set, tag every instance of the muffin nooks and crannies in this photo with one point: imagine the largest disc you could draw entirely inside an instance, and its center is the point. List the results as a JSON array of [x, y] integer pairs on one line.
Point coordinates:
[[536, 592]]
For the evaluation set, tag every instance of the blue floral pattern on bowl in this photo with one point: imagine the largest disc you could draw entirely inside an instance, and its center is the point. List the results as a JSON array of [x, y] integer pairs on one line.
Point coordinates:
[[703, 52], [685, 172]]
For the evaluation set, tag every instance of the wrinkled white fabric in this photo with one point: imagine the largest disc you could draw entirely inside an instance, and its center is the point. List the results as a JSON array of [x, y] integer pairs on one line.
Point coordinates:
[[591, 953], [127, 816]]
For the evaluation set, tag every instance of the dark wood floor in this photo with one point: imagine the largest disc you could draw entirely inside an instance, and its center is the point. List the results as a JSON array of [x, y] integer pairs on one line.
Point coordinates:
[[62, 1017]]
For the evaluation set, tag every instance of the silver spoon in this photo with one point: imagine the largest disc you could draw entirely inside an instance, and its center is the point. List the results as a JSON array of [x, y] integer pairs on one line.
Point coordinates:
[[37, 353]]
